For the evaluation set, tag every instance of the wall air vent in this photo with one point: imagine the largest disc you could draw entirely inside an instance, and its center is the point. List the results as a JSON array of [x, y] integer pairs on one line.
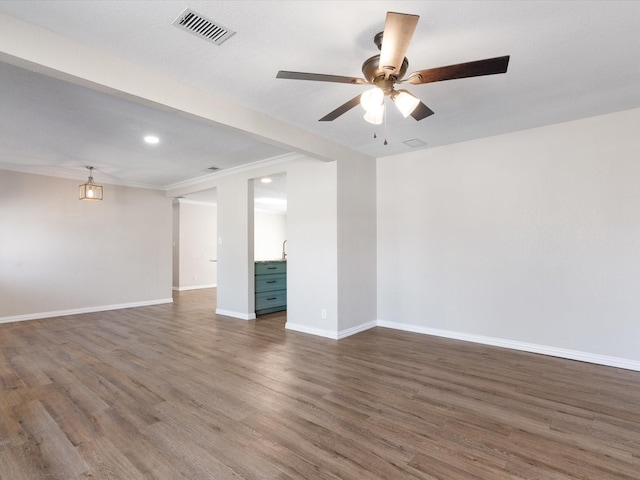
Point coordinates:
[[195, 23]]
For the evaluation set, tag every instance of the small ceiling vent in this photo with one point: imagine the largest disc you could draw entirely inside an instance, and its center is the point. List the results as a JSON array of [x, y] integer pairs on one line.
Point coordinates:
[[414, 143], [195, 23], [213, 169]]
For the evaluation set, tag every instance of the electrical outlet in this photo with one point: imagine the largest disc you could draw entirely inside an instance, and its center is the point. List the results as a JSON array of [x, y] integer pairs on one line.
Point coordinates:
[[323, 313]]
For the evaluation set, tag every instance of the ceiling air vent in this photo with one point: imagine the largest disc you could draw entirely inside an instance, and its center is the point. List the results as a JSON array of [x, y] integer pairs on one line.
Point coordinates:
[[195, 23], [414, 143]]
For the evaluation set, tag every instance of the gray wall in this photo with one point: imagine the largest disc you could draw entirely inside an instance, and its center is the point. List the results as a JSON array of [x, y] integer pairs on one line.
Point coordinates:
[[235, 247], [61, 255], [529, 239], [195, 245], [356, 245], [312, 266]]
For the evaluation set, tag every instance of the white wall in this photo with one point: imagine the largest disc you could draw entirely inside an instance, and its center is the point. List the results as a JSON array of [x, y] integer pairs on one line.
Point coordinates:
[[312, 265], [61, 255], [356, 234], [235, 294], [531, 238], [196, 245], [270, 230], [175, 251], [311, 244]]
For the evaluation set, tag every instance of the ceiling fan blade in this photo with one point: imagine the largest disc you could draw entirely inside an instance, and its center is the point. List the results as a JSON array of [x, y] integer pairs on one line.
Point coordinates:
[[398, 31], [489, 66], [344, 108], [421, 111], [319, 77]]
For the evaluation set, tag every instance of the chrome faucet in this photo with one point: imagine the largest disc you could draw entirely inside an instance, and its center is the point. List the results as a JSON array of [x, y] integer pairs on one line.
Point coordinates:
[[284, 252]]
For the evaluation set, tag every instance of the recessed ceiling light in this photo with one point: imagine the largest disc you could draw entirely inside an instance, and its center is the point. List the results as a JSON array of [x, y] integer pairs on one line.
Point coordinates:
[[152, 139], [266, 180]]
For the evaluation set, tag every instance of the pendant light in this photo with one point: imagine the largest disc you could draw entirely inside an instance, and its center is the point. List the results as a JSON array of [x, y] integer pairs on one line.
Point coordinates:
[[89, 190]]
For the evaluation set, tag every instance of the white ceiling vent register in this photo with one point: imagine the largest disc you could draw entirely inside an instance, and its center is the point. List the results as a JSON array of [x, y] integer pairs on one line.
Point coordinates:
[[202, 27], [414, 143]]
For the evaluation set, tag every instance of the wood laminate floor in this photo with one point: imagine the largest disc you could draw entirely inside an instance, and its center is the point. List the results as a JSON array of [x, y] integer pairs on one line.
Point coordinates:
[[173, 392]]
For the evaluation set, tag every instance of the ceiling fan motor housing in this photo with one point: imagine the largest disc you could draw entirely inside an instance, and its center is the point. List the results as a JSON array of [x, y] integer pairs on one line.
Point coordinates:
[[375, 74]]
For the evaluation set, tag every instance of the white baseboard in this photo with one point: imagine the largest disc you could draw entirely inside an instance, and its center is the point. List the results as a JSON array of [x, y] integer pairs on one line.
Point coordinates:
[[240, 315], [357, 329], [194, 287], [330, 333], [76, 311], [515, 345], [296, 327]]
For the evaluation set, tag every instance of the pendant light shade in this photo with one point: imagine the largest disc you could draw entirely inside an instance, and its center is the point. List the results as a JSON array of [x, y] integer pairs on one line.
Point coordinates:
[[89, 190]]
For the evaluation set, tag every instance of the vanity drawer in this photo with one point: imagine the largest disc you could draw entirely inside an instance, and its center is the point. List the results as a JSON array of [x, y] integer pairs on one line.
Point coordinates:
[[266, 283], [263, 268], [271, 299]]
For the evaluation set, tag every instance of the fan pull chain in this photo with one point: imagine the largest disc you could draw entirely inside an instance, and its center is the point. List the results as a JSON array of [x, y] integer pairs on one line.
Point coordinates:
[[385, 126]]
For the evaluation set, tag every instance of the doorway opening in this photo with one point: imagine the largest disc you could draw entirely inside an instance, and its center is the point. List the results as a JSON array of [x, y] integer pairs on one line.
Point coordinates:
[[270, 244], [195, 248]]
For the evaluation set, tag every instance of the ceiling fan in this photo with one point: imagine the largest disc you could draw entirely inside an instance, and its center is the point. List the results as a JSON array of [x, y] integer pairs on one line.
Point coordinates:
[[387, 69]]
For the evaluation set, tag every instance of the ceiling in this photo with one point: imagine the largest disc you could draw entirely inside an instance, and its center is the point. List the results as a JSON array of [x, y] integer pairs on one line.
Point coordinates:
[[569, 60]]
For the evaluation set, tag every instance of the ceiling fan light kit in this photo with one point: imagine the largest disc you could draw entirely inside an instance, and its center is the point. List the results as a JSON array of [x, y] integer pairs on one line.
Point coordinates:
[[373, 103], [387, 69], [372, 99], [405, 102], [375, 115]]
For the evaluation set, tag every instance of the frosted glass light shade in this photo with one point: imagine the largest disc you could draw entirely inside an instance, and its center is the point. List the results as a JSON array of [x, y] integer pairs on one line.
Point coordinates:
[[372, 99], [375, 115], [405, 102]]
